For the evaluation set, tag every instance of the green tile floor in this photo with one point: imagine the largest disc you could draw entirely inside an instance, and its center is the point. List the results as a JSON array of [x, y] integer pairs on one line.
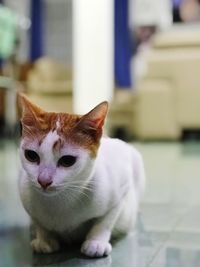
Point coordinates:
[[167, 233]]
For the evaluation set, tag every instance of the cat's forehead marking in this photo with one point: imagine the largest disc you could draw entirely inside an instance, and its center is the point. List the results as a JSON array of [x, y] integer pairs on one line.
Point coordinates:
[[48, 142], [58, 123], [57, 145]]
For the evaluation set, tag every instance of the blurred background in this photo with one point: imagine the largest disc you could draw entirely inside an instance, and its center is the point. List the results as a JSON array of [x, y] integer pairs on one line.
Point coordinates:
[[143, 56]]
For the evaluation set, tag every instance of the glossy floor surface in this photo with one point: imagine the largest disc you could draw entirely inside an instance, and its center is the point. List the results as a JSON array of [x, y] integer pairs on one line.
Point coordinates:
[[168, 229]]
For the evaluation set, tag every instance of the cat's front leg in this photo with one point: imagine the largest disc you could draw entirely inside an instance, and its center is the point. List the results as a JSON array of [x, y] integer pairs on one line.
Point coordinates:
[[97, 241], [44, 242]]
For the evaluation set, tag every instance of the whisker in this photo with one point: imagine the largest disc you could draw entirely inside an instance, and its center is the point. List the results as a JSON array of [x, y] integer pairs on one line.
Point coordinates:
[[75, 196], [81, 187], [79, 192], [89, 185]]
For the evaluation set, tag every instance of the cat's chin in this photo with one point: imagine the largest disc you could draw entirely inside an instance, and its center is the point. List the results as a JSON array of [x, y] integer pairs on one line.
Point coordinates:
[[49, 193]]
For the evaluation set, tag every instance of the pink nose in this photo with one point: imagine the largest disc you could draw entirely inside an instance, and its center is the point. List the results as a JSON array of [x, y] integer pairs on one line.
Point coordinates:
[[44, 182]]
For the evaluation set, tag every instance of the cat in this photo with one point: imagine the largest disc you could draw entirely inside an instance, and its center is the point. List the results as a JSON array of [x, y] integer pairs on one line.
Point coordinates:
[[75, 184]]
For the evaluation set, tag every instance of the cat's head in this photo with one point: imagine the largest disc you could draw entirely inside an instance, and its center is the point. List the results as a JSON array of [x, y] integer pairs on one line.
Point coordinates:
[[58, 150]]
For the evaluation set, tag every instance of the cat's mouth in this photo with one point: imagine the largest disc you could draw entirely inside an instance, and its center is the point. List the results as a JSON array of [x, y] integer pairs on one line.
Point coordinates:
[[48, 190]]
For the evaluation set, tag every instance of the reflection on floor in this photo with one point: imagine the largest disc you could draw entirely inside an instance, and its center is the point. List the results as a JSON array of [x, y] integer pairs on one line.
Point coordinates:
[[168, 228]]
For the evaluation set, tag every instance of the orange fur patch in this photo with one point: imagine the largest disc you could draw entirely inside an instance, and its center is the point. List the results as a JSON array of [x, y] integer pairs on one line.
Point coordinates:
[[84, 131]]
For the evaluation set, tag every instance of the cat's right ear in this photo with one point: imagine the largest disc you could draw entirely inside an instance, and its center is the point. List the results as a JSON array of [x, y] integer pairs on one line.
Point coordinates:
[[27, 108], [30, 113]]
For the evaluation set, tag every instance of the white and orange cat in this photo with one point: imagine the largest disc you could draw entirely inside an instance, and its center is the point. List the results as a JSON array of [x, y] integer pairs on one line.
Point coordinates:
[[75, 184]]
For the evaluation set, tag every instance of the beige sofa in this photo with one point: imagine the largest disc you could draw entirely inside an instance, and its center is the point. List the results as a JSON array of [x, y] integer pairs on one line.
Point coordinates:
[[168, 95], [49, 84]]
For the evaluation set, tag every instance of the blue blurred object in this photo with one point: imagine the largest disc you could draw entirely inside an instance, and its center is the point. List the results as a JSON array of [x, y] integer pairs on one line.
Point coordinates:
[[122, 45], [36, 37], [177, 3]]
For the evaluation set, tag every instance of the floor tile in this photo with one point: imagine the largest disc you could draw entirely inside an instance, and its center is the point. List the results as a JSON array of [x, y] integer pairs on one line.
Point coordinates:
[[168, 228]]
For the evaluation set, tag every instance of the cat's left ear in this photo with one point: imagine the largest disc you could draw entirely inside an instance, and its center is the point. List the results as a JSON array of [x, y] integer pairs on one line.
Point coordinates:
[[93, 121]]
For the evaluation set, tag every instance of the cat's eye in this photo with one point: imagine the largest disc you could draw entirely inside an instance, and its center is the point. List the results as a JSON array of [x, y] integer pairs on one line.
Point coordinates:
[[32, 156], [67, 161]]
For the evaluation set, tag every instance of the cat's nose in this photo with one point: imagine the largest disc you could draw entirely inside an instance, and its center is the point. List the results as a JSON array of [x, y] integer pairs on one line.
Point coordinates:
[[44, 182]]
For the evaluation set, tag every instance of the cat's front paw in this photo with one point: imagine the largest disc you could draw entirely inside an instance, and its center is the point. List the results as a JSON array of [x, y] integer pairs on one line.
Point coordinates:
[[42, 246], [96, 248]]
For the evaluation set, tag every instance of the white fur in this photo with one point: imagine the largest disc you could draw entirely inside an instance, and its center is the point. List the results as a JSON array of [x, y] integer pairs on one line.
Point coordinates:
[[93, 199]]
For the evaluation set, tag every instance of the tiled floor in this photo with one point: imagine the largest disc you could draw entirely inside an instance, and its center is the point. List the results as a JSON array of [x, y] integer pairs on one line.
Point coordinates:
[[168, 228]]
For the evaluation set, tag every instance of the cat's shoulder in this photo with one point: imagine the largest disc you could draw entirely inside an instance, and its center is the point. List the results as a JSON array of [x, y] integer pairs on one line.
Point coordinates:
[[108, 141], [115, 145]]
